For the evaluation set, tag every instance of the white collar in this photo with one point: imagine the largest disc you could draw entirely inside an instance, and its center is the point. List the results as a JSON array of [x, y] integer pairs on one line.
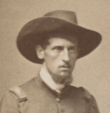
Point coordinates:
[[46, 77]]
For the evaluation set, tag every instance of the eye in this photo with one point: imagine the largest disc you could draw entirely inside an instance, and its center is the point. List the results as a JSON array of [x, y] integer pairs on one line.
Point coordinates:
[[58, 49], [72, 49]]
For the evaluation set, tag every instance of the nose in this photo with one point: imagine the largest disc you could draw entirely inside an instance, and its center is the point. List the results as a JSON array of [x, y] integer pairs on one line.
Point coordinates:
[[65, 55]]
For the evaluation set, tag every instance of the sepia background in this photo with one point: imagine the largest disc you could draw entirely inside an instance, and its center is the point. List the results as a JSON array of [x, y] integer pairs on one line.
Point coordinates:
[[91, 72]]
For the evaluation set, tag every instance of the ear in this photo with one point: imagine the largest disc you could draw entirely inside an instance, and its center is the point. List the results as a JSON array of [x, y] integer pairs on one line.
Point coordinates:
[[40, 52], [78, 52]]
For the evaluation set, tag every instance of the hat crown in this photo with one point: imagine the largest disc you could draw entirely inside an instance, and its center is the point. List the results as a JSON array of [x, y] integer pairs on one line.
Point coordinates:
[[60, 21], [68, 16]]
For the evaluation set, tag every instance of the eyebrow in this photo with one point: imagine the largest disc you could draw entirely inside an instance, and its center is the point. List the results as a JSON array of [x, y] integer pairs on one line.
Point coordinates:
[[54, 46]]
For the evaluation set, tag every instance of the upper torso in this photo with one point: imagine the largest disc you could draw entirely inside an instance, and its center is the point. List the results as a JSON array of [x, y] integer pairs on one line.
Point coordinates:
[[41, 99]]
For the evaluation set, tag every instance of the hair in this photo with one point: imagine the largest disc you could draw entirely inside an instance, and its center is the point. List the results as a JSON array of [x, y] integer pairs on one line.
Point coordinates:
[[44, 40]]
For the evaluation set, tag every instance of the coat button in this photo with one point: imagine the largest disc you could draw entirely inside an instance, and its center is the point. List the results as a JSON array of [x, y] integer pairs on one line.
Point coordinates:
[[62, 110], [58, 100]]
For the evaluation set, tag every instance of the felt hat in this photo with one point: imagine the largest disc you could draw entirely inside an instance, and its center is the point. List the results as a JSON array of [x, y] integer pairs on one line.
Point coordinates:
[[61, 22]]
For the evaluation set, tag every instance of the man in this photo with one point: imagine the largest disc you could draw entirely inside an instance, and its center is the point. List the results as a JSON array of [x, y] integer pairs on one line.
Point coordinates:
[[55, 41]]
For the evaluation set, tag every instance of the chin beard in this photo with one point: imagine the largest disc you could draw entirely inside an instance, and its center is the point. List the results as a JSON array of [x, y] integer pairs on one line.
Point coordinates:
[[66, 80]]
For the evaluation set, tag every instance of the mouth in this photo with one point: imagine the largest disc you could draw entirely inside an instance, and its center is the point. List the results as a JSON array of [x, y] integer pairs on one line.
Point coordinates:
[[65, 67]]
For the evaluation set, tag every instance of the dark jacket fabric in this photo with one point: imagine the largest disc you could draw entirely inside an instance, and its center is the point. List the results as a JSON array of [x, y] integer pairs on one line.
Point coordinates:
[[39, 98]]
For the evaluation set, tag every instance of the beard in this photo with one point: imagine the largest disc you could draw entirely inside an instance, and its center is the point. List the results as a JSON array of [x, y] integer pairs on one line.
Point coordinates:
[[62, 78]]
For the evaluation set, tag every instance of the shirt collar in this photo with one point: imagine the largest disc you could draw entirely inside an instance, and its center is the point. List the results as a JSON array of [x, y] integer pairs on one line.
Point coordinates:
[[47, 79]]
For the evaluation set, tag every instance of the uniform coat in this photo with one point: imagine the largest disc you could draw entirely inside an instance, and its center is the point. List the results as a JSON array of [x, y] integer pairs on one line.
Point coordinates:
[[39, 98]]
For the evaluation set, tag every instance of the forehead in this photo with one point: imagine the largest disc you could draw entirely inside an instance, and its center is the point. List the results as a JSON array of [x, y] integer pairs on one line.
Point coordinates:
[[60, 41], [68, 36]]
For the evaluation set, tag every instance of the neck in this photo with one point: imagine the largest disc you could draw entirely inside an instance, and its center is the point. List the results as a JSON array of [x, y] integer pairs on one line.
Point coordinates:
[[46, 77]]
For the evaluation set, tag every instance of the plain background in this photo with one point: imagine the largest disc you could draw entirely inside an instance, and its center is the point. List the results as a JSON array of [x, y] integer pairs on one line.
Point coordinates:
[[91, 72]]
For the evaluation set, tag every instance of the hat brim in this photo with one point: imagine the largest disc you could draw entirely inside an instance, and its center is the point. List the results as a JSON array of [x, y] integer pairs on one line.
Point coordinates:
[[30, 36]]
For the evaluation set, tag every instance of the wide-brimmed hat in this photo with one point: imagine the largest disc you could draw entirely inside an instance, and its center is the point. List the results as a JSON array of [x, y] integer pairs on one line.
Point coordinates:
[[60, 21]]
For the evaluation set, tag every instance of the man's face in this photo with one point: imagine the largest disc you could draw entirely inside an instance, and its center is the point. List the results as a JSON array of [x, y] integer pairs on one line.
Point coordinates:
[[59, 57]]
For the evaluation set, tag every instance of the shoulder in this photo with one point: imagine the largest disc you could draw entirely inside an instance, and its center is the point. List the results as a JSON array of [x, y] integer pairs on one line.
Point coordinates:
[[23, 90], [29, 84], [81, 92], [85, 92], [14, 96], [9, 101], [19, 93], [91, 99]]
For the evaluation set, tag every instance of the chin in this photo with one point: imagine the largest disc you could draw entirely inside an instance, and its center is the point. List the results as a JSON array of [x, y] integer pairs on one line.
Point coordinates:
[[66, 80]]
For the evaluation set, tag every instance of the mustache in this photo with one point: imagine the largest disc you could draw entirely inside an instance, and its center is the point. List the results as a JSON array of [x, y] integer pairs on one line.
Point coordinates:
[[65, 65]]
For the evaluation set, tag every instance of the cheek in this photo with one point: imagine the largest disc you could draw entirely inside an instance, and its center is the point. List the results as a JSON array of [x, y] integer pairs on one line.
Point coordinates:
[[50, 57], [73, 60]]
